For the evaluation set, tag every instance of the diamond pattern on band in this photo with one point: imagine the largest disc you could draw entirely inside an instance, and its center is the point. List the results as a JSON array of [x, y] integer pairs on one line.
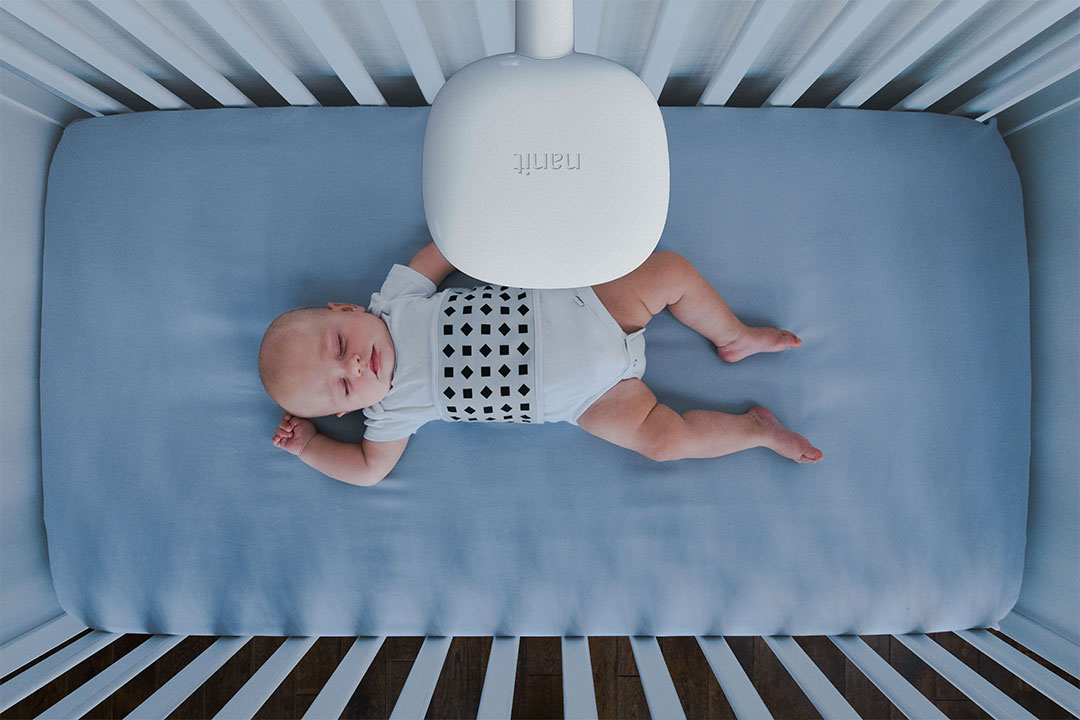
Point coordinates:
[[486, 364]]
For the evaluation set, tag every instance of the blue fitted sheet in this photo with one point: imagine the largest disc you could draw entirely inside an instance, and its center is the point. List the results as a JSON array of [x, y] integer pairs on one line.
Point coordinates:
[[892, 243]]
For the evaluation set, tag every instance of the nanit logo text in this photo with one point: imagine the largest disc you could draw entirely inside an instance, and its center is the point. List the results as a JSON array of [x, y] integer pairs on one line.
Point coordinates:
[[547, 161]]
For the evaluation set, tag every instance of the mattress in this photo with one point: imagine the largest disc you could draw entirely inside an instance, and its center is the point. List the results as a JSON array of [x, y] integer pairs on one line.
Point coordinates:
[[891, 243]]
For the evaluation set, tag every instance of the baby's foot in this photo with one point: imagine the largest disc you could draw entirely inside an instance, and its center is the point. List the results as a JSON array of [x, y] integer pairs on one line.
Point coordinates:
[[782, 441], [757, 339]]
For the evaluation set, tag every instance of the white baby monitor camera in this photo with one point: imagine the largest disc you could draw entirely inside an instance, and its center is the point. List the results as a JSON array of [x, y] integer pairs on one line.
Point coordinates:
[[545, 168]]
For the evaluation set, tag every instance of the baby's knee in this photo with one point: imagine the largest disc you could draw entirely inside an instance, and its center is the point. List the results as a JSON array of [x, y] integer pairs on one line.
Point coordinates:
[[671, 266], [668, 259], [661, 435]]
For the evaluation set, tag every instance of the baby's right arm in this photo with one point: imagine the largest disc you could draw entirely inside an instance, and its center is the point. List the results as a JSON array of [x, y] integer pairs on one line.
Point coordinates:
[[363, 464]]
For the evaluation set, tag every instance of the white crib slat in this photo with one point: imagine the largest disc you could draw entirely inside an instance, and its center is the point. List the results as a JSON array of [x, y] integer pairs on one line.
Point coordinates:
[[907, 699], [1039, 640], [667, 36], [496, 26], [841, 34], [35, 643], [660, 693], [1039, 118], [1048, 69], [982, 693], [260, 686], [415, 42], [58, 81], [96, 690], [497, 697], [169, 696], [587, 17], [420, 685], [1028, 25], [232, 27], [332, 43], [335, 694], [764, 18], [160, 39], [66, 34], [579, 697], [825, 697], [935, 28], [1025, 668], [739, 691], [52, 667]]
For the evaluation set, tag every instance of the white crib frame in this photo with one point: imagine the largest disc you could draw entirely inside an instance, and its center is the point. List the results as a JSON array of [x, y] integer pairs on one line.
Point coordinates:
[[579, 700], [1038, 69]]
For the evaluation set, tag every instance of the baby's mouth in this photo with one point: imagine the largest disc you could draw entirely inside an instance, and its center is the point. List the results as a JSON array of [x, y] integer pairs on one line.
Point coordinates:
[[373, 363]]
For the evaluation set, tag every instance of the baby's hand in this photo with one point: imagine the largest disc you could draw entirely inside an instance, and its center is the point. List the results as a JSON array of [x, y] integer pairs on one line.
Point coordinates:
[[293, 434]]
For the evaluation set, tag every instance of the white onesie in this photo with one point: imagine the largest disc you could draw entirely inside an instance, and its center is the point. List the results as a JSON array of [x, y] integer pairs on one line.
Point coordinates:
[[580, 353]]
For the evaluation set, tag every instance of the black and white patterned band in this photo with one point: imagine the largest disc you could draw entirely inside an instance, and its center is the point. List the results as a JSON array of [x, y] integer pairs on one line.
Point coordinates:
[[485, 350]]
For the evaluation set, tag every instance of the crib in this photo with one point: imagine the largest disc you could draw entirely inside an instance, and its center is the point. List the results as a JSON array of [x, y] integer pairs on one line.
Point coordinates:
[[1015, 63]]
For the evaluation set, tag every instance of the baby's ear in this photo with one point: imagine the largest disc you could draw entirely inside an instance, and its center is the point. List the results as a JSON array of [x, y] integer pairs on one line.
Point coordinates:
[[345, 307]]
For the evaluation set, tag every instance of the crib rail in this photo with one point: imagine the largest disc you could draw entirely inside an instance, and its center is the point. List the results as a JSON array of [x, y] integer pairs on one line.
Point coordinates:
[[38, 668], [973, 58]]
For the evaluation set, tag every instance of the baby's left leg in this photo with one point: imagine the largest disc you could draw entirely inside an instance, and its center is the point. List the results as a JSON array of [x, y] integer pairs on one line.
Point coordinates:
[[667, 279], [629, 416]]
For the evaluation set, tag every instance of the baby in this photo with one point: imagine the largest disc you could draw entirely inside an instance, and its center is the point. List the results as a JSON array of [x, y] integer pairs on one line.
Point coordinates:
[[506, 354]]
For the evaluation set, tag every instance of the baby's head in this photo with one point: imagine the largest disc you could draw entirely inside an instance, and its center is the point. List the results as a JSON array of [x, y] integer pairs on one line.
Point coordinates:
[[316, 361]]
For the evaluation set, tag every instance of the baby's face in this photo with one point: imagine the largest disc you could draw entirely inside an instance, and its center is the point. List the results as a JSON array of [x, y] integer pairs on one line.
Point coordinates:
[[342, 360]]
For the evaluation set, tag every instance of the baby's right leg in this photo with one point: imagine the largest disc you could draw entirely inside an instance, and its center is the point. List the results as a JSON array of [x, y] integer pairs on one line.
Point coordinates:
[[629, 416], [669, 280]]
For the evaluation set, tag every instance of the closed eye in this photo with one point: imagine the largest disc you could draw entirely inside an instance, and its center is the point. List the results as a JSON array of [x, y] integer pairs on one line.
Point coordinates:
[[341, 354]]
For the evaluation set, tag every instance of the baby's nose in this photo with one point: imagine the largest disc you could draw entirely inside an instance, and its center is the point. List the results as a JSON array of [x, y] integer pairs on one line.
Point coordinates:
[[359, 364]]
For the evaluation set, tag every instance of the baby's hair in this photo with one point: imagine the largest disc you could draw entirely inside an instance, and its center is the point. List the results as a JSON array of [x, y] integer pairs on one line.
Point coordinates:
[[275, 340]]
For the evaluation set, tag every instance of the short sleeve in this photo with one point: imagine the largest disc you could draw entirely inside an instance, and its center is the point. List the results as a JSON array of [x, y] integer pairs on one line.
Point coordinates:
[[402, 282], [383, 426]]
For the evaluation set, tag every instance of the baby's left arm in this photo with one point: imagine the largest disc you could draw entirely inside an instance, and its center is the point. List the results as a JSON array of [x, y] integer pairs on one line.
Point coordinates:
[[430, 263]]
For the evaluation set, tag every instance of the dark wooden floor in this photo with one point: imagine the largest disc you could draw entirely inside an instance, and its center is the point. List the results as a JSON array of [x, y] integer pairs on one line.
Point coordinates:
[[538, 691]]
